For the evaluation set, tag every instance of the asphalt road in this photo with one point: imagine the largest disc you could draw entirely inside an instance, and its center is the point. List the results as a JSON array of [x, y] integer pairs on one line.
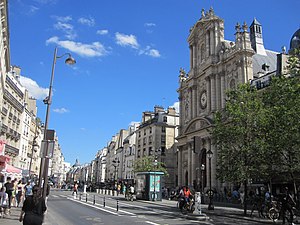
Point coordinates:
[[64, 209]]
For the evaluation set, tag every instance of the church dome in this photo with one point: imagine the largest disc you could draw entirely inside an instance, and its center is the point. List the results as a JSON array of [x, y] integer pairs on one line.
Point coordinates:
[[295, 40]]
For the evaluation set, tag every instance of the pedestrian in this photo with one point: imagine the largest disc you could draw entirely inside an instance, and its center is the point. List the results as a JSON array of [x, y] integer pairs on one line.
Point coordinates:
[[287, 205], [118, 189], [3, 202], [28, 189], [9, 190], [75, 189], [19, 192], [33, 208]]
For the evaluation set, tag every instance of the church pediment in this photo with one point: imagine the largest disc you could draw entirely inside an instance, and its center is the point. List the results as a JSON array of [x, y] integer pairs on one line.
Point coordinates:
[[197, 124]]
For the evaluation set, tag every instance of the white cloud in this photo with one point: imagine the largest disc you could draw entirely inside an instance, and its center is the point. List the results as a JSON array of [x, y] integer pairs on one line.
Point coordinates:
[[67, 28], [150, 52], [33, 88], [88, 50], [176, 106], [127, 40], [46, 1], [61, 110], [87, 21], [154, 53], [63, 19], [149, 24], [102, 32], [33, 9]]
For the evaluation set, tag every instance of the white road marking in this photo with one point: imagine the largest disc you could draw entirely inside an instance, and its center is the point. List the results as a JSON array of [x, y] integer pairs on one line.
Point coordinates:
[[152, 223], [97, 206]]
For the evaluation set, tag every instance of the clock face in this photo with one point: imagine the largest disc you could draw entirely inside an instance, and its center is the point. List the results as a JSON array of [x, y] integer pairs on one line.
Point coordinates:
[[203, 100]]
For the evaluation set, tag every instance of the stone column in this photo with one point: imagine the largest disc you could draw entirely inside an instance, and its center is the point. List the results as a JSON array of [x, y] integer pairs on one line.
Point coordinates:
[[213, 92], [212, 40], [213, 164], [180, 162], [207, 41], [218, 92], [189, 164], [222, 89], [191, 57], [181, 111], [194, 56], [216, 33], [194, 101], [208, 90]]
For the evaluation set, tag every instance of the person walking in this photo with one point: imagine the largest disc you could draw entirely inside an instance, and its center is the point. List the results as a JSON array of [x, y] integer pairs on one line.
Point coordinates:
[[34, 208], [3, 202], [287, 205], [19, 194], [9, 190], [28, 189]]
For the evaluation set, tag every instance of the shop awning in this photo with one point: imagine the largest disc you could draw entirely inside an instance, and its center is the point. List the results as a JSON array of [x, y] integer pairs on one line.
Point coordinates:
[[12, 169]]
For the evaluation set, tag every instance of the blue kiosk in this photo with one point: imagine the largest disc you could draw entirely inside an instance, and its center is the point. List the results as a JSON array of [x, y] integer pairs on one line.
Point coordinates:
[[148, 185]]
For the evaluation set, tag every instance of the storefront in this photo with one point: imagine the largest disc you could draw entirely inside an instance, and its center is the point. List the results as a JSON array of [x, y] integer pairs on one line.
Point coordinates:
[[7, 170]]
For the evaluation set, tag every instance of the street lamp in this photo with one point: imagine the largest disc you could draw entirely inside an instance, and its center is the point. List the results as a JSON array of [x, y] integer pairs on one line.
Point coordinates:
[[202, 178], [45, 158], [116, 164], [154, 180], [209, 154]]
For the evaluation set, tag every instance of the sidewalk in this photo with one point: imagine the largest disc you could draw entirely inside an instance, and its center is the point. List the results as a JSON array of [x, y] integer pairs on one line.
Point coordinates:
[[13, 218]]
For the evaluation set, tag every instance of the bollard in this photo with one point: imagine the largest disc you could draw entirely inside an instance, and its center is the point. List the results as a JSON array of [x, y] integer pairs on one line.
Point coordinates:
[[85, 197], [80, 197], [103, 201], [117, 205], [94, 202], [105, 192]]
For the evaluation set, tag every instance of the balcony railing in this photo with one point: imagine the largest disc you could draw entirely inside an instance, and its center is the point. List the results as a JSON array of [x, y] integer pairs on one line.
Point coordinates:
[[10, 150]]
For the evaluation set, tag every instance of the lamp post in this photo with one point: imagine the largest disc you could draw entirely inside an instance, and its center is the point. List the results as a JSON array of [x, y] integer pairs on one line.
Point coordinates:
[[154, 180], [45, 158], [202, 177], [116, 163], [209, 154]]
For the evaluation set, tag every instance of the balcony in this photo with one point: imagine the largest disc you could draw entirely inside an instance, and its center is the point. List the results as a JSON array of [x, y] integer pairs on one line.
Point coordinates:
[[4, 128], [10, 98], [4, 111], [10, 150]]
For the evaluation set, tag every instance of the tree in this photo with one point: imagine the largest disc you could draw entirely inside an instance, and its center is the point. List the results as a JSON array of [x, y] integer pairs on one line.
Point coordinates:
[[146, 164], [238, 137], [282, 100]]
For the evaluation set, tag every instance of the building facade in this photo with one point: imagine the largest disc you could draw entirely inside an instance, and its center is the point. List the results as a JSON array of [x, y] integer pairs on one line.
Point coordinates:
[[216, 65], [156, 136]]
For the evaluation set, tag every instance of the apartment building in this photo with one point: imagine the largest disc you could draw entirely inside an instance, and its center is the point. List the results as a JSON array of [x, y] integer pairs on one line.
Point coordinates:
[[156, 136]]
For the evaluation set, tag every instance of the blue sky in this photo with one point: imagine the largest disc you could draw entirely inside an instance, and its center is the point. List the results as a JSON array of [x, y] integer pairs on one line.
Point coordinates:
[[128, 57]]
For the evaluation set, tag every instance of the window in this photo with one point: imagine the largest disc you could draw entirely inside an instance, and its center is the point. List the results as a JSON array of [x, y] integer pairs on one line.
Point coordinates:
[[165, 119], [150, 130], [163, 129], [150, 140], [145, 132]]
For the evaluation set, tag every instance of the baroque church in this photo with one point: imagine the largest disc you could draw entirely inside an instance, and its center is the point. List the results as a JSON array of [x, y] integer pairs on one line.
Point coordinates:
[[216, 65]]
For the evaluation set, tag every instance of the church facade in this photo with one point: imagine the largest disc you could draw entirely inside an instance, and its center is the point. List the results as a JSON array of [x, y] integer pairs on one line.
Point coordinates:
[[216, 65]]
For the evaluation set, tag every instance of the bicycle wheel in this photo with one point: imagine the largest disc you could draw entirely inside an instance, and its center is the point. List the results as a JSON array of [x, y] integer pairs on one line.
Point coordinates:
[[273, 214]]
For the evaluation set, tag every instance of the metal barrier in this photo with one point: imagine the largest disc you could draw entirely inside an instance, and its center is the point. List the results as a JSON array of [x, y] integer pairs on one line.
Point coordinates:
[[103, 201]]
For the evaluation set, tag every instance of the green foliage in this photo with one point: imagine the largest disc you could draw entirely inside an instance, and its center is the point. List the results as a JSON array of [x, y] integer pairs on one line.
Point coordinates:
[[146, 164], [294, 63], [258, 133], [238, 136]]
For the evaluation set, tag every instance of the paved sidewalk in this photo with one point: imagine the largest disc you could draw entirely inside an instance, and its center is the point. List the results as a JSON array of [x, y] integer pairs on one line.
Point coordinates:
[[13, 218]]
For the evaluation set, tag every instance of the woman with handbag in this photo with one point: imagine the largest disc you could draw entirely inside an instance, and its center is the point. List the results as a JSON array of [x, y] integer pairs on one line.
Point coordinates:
[[33, 208]]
